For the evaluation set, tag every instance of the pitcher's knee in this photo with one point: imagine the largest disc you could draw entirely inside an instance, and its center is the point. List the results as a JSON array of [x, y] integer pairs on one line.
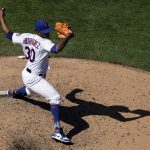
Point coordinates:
[[55, 99]]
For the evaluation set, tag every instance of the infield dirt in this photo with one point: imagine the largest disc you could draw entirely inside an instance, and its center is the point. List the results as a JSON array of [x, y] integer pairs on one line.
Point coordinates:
[[104, 107]]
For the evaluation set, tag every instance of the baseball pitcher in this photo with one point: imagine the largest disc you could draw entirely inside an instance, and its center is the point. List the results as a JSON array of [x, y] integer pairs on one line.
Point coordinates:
[[36, 48]]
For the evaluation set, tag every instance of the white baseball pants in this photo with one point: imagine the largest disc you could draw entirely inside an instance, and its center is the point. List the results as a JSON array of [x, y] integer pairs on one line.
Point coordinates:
[[40, 86]]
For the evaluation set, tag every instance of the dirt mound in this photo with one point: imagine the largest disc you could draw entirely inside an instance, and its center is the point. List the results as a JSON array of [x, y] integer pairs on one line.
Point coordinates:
[[105, 107]]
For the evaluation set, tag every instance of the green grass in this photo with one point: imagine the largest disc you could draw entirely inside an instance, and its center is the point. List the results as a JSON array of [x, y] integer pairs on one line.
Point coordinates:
[[116, 31]]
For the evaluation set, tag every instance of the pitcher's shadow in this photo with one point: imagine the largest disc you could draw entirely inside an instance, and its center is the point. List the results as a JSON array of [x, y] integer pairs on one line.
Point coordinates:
[[74, 115]]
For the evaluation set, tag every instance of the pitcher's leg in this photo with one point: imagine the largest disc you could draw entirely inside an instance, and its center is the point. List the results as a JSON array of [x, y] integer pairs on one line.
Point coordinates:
[[21, 92], [46, 90]]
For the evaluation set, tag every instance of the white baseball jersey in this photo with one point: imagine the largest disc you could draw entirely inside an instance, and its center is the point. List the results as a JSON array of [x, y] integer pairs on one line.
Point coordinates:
[[36, 49]]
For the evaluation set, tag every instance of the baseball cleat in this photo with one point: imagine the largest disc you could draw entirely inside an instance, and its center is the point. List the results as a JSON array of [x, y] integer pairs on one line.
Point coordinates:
[[4, 93], [59, 136]]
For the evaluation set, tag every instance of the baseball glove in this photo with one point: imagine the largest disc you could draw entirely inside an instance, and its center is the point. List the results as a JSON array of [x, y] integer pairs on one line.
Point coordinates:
[[62, 29]]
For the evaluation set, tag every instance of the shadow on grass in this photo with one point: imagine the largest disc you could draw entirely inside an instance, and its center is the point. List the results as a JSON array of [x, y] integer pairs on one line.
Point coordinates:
[[74, 115]]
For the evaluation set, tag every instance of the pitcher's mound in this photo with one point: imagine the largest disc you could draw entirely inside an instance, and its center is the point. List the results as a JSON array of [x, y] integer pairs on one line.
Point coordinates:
[[105, 107]]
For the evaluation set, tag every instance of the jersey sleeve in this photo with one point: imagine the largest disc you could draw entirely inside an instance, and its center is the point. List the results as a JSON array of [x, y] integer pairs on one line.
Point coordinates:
[[9, 35], [17, 38], [48, 45]]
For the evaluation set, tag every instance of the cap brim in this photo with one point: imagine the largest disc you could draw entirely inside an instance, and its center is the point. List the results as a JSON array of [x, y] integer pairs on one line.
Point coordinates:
[[46, 30]]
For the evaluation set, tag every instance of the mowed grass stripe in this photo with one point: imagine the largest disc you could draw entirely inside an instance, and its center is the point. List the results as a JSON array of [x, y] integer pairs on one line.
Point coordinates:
[[115, 31]]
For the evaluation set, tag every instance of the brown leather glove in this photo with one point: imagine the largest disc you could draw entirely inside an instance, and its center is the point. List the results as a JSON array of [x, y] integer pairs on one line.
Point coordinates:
[[63, 29]]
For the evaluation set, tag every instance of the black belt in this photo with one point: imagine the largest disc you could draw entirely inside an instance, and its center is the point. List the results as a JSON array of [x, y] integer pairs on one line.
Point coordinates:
[[29, 70]]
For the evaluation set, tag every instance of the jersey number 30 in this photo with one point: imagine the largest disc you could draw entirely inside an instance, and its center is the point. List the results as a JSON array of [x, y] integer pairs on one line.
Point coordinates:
[[30, 55]]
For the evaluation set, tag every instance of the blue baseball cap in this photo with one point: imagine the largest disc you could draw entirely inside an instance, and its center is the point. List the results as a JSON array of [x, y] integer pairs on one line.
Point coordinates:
[[42, 26]]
